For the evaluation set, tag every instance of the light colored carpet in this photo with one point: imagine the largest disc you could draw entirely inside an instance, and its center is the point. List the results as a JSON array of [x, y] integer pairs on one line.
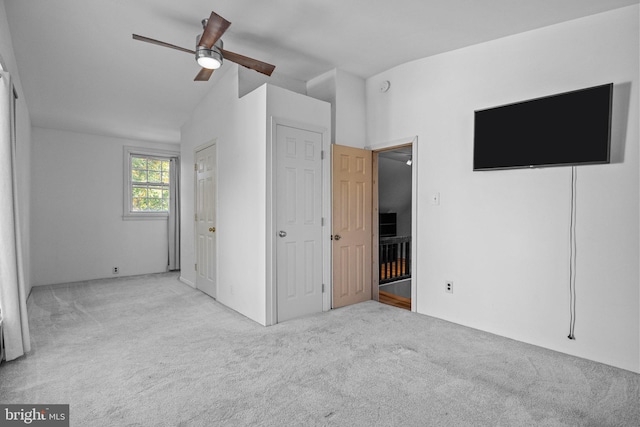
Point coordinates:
[[151, 351]]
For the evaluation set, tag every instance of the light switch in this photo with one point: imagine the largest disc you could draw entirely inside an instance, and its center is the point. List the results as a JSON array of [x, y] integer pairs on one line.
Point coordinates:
[[435, 198]]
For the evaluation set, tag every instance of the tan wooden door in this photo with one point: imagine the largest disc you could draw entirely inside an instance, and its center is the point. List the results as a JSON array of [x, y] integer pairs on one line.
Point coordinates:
[[352, 232], [206, 220]]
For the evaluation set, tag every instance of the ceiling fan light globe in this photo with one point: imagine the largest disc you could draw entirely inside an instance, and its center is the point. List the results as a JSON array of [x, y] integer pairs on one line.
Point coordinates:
[[209, 63]]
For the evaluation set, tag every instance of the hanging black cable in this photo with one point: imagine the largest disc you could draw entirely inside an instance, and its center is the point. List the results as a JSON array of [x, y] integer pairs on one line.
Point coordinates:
[[572, 257]]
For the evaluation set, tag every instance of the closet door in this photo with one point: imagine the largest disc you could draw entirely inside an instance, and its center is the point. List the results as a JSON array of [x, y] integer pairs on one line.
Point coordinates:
[[298, 222]]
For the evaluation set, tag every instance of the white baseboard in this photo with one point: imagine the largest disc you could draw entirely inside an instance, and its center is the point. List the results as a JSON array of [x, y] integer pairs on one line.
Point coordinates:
[[187, 282]]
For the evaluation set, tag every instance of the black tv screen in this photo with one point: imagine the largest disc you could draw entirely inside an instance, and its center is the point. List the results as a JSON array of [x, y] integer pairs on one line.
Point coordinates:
[[571, 128]]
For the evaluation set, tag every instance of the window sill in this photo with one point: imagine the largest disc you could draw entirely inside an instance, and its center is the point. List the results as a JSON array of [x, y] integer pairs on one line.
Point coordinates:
[[145, 216]]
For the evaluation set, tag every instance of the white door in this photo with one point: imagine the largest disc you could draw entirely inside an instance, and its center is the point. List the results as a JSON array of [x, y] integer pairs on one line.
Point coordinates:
[[298, 222], [206, 220]]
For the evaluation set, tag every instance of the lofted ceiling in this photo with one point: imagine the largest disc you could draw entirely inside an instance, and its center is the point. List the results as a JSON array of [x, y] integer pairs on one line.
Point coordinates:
[[81, 70]]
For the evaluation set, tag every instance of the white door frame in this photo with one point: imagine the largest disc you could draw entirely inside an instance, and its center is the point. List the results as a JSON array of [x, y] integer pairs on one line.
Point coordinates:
[[414, 206], [271, 226], [195, 208]]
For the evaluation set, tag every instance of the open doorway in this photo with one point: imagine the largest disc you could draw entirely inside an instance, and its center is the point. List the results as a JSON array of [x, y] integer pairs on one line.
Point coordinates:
[[394, 194]]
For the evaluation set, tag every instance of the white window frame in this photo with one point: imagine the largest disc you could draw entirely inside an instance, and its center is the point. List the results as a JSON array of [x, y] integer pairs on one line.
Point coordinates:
[[129, 151]]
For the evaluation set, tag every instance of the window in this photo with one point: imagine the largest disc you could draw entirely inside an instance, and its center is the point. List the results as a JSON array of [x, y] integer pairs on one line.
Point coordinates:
[[147, 183]]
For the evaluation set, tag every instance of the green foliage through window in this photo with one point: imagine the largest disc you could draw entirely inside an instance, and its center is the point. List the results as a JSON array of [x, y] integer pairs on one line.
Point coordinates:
[[149, 184]]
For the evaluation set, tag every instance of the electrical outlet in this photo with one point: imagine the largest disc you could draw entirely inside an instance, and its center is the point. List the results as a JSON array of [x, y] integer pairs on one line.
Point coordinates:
[[448, 287], [116, 270]]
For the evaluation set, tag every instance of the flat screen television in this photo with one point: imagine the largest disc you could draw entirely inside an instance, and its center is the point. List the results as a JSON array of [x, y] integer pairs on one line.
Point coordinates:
[[571, 128]]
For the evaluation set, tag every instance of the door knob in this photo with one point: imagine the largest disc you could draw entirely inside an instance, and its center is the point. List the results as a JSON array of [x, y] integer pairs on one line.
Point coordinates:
[[282, 233], [212, 229], [337, 237]]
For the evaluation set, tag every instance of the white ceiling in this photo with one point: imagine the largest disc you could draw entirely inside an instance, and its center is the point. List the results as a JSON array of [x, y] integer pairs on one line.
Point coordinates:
[[81, 70]]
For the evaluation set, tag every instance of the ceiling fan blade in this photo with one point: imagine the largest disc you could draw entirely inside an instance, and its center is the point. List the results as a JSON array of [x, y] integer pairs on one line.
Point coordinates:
[[203, 75], [245, 61], [159, 43], [215, 28]]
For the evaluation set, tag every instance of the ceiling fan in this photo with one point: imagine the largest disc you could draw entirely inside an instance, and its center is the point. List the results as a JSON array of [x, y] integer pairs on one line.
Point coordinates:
[[209, 52]]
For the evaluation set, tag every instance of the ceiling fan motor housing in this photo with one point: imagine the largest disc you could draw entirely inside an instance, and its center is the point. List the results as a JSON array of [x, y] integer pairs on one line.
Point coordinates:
[[209, 58]]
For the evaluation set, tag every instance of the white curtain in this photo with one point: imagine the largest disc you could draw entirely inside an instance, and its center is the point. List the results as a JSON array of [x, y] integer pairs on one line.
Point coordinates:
[[13, 297], [174, 215]]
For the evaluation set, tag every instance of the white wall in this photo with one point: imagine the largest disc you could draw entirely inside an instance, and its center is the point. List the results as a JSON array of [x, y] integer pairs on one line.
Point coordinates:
[[77, 204], [23, 143], [346, 94], [249, 80], [350, 110], [213, 119], [242, 168], [502, 237], [324, 87], [240, 130]]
